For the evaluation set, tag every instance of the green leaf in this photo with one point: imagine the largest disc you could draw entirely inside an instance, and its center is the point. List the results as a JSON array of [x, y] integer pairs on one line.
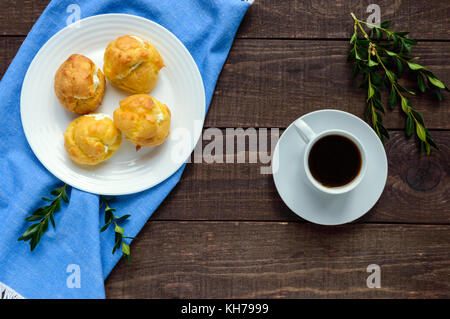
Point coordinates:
[[64, 197], [402, 33], [36, 238], [418, 116], [399, 67], [390, 53], [42, 211], [29, 232], [393, 98], [437, 93], [385, 24], [409, 125], [378, 105], [436, 82], [124, 217], [384, 131], [105, 227], [414, 66], [125, 248], [427, 148], [405, 105], [372, 63], [410, 41], [390, 75], [55, 192], [395, 39], [119, 229], [44, 226], [421, 83], [52, 220], [370, 92], [33, 218], [406, 46], [378, 34], [421, 132], [354, 37]]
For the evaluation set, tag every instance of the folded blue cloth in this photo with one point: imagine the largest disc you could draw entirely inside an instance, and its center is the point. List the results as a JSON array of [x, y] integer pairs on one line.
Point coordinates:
[[77, 248]]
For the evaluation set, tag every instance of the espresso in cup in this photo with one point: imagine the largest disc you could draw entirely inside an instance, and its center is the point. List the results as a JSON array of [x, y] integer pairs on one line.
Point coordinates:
[[334, 160]]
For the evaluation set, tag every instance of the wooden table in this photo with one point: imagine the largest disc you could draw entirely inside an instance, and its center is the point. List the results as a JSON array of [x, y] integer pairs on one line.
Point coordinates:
[[224, 232]]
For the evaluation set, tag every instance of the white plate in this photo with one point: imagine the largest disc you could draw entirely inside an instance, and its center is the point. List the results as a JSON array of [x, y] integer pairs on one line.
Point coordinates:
[[298, 193], [180, 86]]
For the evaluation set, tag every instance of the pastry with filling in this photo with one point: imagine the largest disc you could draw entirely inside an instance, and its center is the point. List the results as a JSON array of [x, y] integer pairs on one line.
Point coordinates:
[[143, 120], [132, 64], [90, 139], [79, 85]]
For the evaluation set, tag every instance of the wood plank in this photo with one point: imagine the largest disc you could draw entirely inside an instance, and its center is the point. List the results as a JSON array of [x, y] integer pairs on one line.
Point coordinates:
[[417, 189], [17, 17], [270, 83], [304, 19], [308, 19], [283, 260], [8, 48]]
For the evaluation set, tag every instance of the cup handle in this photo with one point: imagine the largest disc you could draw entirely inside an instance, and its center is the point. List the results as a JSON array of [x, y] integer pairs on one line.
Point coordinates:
[[305, 132]]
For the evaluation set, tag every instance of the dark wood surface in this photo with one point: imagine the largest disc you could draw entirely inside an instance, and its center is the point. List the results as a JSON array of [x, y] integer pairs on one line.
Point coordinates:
[[224, 232]]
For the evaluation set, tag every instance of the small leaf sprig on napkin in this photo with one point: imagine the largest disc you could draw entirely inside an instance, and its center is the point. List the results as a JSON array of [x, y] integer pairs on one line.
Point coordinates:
[[112, 219], [381, 57], [44, 215]]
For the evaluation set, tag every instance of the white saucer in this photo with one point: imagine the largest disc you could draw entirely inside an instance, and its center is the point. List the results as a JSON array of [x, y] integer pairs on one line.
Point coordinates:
[[298, 193]]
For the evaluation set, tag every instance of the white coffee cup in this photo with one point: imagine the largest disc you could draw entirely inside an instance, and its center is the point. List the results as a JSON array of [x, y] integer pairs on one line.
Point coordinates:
[[310, 138]]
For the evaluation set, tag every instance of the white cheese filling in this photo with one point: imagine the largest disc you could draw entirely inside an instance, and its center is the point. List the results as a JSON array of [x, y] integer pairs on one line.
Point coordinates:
[[134, 67], [160, 117], [98, 116], [139, 39]]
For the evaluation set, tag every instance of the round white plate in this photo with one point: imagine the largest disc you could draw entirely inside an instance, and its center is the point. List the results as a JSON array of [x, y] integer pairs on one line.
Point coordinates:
[[298, 193], [180, 86]]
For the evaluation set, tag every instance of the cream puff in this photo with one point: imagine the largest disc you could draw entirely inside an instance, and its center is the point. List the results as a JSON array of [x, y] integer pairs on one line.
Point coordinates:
[[143, 120], [132, 64], [79, 84], [90, 139]]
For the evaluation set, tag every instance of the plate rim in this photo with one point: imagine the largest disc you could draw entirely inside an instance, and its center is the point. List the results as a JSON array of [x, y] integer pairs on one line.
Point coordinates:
[[197, 74], [276, 151]]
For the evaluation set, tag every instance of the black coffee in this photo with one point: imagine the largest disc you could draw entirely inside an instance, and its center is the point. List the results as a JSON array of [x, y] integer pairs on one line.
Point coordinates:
[[334, 161]]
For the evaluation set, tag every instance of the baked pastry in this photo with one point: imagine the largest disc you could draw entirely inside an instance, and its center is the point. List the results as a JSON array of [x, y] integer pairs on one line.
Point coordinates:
[[91, 139], [79, 84], [143, 120], [132, 64]]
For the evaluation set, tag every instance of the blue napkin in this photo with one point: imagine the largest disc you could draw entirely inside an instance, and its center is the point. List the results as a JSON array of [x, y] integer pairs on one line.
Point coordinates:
[[73, 260]]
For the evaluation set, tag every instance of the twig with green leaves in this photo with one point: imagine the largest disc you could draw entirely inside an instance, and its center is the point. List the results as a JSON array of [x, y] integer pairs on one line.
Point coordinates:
[[112, 219], [44, 215], [381, 57]]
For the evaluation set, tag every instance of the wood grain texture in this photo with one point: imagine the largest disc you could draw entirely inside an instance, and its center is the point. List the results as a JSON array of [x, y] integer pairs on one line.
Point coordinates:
[[304, 19], [308, 19], [417, 189], [278, 260], [270, 83], [224, 232]]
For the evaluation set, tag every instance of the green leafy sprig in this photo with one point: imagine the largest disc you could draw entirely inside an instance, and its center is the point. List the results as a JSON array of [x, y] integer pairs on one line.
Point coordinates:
[[44, 215], [112, 219], [381, 58]]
